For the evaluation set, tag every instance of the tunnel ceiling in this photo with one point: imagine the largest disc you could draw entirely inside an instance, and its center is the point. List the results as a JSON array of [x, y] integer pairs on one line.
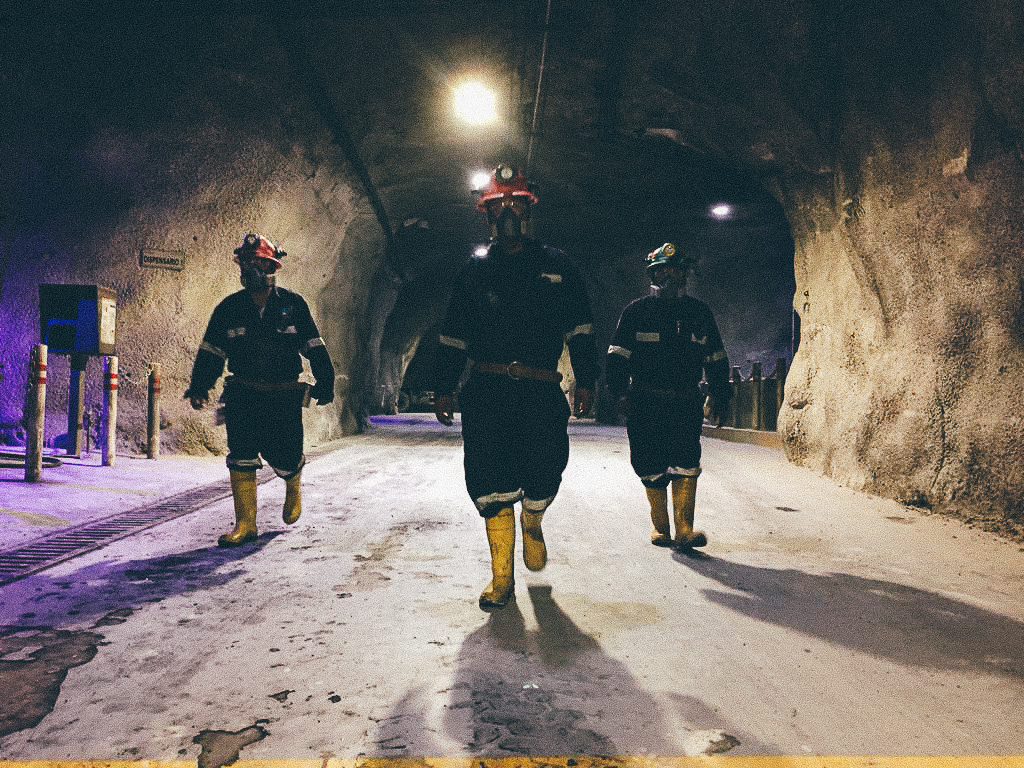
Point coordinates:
[[607, 145]]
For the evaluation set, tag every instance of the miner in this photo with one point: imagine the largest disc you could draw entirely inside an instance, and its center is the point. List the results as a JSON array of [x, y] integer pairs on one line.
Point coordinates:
[[512, 312], [664, 344], [260, 332]]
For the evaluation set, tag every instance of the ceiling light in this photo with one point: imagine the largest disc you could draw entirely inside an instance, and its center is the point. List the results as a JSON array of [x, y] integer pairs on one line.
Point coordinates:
[[480, 179], [476, 104], [721, 211]]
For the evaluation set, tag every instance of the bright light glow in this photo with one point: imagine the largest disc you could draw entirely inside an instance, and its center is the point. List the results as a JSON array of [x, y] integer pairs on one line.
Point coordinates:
[[476, 104], [480, 179], [481, 250], [722, 211]]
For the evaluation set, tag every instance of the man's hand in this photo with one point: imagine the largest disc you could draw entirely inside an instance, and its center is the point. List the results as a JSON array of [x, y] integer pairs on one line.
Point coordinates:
[[197, 400], [622, 407], [444, 410], [583, 401], [322, 392], [715, 411]]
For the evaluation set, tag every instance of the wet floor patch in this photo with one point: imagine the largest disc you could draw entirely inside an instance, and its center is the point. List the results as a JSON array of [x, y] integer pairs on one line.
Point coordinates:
[[527, 721], [224, 747], [33, 664]]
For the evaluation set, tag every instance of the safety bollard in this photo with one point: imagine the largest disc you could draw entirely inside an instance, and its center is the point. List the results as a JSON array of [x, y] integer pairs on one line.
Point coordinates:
[[37, 416], [153, 431], [109, 411]]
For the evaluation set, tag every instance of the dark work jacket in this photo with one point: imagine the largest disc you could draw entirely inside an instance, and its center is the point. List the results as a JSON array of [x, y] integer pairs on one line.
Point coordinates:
[[261, 349], [522, 307], [667, 343]]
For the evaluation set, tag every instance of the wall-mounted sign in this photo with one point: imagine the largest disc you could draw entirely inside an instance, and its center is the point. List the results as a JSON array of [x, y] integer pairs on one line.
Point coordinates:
[[153, 257]]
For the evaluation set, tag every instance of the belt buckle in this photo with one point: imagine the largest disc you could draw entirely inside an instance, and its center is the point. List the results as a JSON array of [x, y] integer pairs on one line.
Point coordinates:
[[508, 370]]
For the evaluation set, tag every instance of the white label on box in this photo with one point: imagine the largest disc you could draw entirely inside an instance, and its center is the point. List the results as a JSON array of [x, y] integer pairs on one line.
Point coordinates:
[[108, 310]]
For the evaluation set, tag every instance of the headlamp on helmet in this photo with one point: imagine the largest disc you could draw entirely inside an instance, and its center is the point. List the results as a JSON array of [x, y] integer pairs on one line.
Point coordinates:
[[667, 256]]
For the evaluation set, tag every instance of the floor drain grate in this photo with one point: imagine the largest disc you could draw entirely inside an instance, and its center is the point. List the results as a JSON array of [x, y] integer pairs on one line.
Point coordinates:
[[71, 542]]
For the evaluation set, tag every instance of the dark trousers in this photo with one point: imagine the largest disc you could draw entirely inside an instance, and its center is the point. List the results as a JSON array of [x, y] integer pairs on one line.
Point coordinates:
[[664, 432], [515, 438], [264, 423]]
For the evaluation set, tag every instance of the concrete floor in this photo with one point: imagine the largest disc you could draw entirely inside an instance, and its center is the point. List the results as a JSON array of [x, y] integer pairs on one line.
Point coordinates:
[[818, 621]]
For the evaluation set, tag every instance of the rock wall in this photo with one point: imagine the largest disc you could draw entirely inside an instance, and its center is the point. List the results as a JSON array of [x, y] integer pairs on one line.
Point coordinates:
[[171, 142], [909, 382]]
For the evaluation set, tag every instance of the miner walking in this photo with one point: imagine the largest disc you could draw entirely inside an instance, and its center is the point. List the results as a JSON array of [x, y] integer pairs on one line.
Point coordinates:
[[662, 346], [261, 331], [512, 312]]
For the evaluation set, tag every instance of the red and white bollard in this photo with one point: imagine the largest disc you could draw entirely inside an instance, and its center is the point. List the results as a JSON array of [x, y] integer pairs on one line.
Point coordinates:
[[37, 417], [109, 411]]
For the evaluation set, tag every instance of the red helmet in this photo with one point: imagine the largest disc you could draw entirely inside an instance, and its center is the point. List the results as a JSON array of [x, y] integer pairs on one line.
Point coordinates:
[[506, 182], [259, 247]]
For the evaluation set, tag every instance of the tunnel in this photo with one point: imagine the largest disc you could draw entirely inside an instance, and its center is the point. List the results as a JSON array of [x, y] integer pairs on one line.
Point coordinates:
[[870, 153]]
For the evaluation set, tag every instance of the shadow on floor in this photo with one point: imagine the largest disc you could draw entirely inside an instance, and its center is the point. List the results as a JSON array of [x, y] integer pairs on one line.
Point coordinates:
[[549, 690], [905, 624]]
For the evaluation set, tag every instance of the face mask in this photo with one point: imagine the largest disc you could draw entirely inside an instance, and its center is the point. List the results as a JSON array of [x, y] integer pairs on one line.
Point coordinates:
[[669, 282], [255, 279], [509, 226]]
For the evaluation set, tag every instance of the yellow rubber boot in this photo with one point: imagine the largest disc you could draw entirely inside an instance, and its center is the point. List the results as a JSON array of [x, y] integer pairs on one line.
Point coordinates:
[[292, 498], [501, 536], [684, 501], [243, 490], [535, 553], [658, 497]]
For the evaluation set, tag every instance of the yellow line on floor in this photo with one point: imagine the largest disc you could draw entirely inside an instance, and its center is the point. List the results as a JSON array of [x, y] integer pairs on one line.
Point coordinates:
[[713, 761], [34, 518], [98, 489]]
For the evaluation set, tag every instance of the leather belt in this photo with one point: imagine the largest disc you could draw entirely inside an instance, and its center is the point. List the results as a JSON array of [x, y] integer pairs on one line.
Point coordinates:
[[269, 386], [519, 371], [667, 393]]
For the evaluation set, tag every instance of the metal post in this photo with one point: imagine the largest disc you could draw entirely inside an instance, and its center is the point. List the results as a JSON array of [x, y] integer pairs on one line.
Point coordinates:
[[37, 414], [780, 385], [153, 442], [734, 415], [109, 410], [76, 405], [757, 397]]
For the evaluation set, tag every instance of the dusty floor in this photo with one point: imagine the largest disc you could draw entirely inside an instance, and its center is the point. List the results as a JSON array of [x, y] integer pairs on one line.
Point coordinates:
[[818, 621]]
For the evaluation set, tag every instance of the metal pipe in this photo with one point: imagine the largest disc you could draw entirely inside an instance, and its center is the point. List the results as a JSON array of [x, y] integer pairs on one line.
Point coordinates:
[[37, 416], [110, 411], [153, 421], [76, 405], [540, 80]]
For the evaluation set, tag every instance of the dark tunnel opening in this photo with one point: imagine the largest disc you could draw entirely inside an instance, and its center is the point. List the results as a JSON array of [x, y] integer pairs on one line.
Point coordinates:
[[649, 190]]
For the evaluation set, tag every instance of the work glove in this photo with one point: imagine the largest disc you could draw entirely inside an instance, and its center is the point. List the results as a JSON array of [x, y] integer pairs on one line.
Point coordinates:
[[443, 409], [583, 401], [197, 399], [622, 407], [715, 410], [322, 392]]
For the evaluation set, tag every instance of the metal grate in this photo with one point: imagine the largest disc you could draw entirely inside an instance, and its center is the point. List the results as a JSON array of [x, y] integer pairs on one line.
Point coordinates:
[[71, 542]]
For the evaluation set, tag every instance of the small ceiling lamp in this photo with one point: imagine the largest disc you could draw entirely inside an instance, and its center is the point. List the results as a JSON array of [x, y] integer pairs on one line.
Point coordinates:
[[476, 104], [721, 211]]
